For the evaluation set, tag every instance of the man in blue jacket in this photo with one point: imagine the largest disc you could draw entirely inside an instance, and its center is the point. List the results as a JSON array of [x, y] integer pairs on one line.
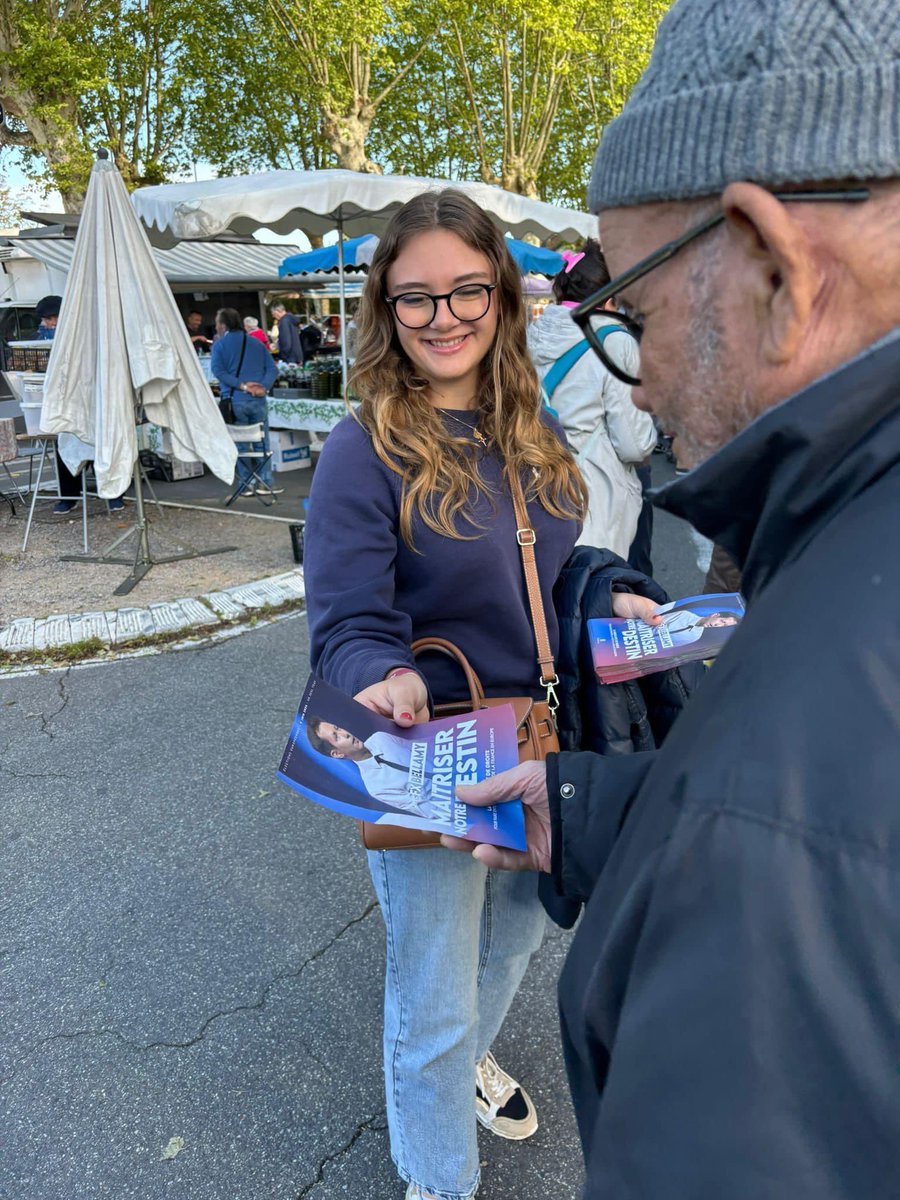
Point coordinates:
[[730, 1002], [245, 371]]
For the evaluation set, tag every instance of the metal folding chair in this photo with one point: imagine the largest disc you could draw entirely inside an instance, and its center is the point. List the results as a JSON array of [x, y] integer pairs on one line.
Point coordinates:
[[254, 460]]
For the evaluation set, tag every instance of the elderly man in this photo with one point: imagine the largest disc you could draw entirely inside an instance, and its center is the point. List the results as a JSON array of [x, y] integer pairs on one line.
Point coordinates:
[[289, 348], [730, 1001]]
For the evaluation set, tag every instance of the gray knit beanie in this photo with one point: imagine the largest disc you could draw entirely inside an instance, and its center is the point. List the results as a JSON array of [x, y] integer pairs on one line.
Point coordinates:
[[771, 91]]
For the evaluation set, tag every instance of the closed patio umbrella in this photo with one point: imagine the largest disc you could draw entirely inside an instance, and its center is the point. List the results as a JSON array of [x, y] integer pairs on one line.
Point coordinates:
[[121, 346]]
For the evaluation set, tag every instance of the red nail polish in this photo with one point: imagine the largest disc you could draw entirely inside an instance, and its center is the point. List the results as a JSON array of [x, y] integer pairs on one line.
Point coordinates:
[[406, 716]]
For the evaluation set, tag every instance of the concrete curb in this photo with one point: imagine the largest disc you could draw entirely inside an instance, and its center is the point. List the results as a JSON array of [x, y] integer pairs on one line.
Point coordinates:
[[116, 628]]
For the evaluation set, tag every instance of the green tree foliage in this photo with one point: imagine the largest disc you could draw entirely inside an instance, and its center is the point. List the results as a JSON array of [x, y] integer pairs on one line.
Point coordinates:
[[513, 92], [541, 80], [254, 108], [595, 92], [46, 63], [354, 55], [518, 93], [78, 75]]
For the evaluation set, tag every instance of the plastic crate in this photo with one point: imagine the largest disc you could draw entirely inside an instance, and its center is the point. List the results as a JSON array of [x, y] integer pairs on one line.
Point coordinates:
[[169, 469], [27, 358]]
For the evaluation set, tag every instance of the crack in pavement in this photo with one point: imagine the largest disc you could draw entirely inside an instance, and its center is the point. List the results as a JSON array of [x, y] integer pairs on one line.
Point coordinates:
[[64, 697], [259, 1004], [39, 774], [366, 1126]]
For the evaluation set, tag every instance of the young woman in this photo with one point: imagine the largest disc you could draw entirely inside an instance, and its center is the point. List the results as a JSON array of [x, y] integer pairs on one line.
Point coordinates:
[[411, 532], [608, 435]]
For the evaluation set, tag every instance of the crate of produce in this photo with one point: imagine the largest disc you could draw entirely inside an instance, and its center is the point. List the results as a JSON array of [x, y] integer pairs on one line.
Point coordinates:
[[27, 356]]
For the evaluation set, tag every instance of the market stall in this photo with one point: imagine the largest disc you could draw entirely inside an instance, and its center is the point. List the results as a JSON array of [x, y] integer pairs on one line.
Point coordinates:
[[318, 202]]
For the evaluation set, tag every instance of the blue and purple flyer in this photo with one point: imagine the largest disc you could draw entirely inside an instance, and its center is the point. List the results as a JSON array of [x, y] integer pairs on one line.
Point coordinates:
[[696, 627], [347, 758]]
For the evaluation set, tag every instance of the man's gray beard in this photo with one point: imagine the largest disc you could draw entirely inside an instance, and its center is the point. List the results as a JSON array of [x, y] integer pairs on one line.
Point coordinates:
[[720, 404]]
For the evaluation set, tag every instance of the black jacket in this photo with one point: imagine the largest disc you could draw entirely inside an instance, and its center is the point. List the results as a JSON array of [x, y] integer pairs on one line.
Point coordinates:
[[620, 718], [730, 1001], [289, 349]]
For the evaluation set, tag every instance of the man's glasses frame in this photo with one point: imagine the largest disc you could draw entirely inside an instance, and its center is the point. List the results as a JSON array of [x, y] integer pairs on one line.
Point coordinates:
[[594, 305], [489, 288]]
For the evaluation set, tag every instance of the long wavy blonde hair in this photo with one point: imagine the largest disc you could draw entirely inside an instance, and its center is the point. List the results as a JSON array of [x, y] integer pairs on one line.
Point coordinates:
[[437, 469]]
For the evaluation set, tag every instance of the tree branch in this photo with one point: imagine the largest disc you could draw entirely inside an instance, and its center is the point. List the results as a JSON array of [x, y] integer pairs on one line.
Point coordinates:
[[406, 68], [485, 171]]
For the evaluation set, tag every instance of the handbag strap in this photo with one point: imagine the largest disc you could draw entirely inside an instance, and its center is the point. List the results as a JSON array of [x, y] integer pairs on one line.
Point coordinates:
[[442, 646], [526, 537]]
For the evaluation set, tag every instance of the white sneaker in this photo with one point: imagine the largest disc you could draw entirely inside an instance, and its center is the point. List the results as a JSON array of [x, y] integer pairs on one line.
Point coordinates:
[[501, 1104], [414, 1192]]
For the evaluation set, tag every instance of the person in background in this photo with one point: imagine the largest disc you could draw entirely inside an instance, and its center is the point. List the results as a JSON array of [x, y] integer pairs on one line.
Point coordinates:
[[252, 329], [729, 1002], [310, 340], [70, 486], [332, 328], [289, 349], [245, 372], [47, 311], [199, 340], [608, 435]]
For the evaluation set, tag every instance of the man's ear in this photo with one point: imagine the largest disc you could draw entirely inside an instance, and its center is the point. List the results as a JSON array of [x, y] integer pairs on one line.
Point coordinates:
[[782, 274], [337, 754]]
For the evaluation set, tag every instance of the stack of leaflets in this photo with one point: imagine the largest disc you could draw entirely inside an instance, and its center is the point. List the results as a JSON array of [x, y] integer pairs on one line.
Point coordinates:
[[347, 758], [696, 627]]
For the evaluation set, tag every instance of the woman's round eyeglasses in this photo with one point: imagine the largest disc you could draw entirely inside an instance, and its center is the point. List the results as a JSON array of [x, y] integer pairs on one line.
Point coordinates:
[[469, 302]]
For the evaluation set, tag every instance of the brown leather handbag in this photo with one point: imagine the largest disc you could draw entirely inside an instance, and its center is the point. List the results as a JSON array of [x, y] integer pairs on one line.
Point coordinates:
[[535, 719]]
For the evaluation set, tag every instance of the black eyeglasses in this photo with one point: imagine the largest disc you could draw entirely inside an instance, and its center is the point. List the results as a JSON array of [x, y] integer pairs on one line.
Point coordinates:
[[620, 355], [469, 302]]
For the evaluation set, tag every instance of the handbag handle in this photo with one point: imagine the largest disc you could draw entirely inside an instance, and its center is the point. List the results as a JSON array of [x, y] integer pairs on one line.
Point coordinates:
[[526, 537], [442, 646]]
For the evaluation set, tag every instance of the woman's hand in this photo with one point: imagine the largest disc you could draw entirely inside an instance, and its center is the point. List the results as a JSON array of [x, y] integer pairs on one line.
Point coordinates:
[[627, 604], [402, 697]]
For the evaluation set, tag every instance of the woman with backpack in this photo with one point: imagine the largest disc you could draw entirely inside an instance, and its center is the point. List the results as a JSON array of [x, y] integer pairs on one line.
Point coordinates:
[[608, 435]]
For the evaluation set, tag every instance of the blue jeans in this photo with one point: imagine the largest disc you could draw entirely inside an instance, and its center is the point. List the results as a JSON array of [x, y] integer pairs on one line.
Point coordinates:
[[459, 938], [248, 410]]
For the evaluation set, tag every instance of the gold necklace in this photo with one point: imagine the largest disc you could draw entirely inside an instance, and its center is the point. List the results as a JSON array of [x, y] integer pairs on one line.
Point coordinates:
[[475, 431]]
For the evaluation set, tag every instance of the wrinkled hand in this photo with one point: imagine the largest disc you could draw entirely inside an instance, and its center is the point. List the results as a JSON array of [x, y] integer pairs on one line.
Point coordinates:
[[255, 389], [626, 604], [528, 782], [404, 699]]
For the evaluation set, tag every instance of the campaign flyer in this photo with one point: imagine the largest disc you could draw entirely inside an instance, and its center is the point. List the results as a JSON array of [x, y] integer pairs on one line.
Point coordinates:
[[696, 627], [347, 758]]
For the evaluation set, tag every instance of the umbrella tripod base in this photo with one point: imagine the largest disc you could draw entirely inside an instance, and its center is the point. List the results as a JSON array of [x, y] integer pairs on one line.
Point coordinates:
[[142, 566]]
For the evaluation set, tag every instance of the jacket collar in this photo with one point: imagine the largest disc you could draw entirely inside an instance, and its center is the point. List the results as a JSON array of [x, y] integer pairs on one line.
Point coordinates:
[[766, 494]]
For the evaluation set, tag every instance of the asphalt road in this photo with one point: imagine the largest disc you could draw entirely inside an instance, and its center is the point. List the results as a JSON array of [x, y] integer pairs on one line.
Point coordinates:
[[189, 951]]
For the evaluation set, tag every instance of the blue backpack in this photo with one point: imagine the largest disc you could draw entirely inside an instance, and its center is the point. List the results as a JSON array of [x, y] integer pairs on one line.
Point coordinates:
[[566, 362]]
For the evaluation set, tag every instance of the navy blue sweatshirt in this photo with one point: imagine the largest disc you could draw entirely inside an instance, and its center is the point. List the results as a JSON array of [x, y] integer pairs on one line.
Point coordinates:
[[369, 596]]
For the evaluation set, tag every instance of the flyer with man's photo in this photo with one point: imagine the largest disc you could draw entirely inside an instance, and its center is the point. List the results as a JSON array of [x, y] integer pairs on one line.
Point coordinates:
[[347, 758], [696, 627]]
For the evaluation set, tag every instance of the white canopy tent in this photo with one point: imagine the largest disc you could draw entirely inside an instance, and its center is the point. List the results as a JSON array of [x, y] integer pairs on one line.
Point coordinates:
[[319, 201], [121, 346]]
